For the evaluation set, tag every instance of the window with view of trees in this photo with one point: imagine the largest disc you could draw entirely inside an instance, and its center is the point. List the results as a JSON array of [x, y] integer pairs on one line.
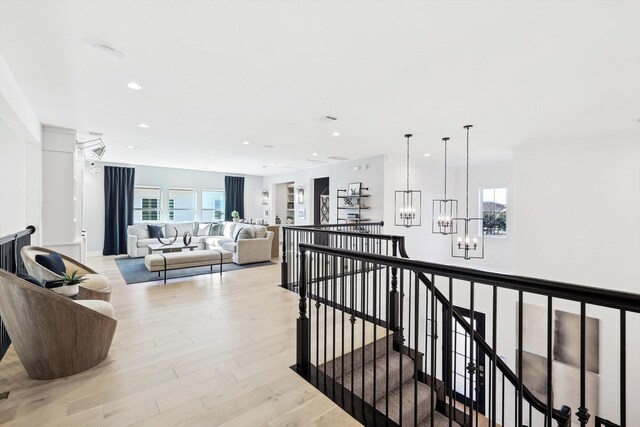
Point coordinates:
[[182, 204], [212, 205], [494, 211], [146, 204]]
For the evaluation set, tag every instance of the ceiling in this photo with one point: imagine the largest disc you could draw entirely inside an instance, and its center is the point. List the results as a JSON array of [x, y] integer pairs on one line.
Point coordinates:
[[216, 74]]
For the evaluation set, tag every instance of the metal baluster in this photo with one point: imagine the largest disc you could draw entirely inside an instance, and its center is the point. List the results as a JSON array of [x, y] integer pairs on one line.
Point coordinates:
[[334, 280], [519, 355], [401, 337], [583, 411], [451, 353], [494, 333], [623, 368], [376, 322], [415, 361], [388, 313], [549, 414], [326, 301], [471, 368], [434, 316], [363, 309], [353, 333]]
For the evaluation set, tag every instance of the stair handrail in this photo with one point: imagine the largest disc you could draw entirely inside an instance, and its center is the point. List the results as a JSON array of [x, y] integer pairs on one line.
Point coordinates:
[[589, 295]]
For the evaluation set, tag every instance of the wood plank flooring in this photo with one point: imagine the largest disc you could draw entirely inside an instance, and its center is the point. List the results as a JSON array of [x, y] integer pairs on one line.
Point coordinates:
[[198, 351]]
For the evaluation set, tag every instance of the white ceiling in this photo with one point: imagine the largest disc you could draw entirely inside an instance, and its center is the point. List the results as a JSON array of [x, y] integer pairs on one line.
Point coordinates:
[[216, 74]]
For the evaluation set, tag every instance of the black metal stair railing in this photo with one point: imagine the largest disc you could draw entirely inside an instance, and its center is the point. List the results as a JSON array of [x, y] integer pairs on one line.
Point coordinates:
[[356, 236], [10, 260], [387, 339]]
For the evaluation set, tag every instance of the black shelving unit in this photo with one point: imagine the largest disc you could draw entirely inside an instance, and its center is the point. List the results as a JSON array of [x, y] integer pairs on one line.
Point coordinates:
[[350, 207]]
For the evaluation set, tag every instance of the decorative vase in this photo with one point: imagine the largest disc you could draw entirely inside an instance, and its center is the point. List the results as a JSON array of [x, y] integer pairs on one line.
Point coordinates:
[[236, 219], [186, 238], [67, 290]]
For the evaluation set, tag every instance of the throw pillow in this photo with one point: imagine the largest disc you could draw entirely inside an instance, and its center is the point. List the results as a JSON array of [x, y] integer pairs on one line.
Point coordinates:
[[216, 229], [155, 231], [236, 232], [29, 278], [246, 233], [202, 228], [52, 262]]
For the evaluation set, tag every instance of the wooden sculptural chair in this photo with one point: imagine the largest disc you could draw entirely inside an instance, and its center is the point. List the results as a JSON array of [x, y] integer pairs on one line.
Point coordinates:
[[96, 287], [54, 336]]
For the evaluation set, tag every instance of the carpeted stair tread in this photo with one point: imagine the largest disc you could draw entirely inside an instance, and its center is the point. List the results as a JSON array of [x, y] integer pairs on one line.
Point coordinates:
[[439, 420], [380, 350], [381, 374], [408, 399]]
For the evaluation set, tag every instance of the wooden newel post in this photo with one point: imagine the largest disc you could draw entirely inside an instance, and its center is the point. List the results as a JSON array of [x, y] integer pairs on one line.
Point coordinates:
[[303, 352], [284, 268]]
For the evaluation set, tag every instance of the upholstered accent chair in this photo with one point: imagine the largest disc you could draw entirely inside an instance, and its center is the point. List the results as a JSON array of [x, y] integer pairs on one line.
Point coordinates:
[[54, 336], [96, 287]]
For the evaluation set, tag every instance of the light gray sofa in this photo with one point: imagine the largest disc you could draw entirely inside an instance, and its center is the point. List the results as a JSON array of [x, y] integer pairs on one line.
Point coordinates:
[[251, 245]]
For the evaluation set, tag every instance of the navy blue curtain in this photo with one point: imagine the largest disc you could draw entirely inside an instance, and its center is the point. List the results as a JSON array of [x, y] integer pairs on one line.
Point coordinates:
[[234, 196], [118, 208]]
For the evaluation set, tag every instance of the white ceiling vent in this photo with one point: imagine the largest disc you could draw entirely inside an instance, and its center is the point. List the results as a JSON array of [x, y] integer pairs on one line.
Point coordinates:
[[327, 119], [338, 158]]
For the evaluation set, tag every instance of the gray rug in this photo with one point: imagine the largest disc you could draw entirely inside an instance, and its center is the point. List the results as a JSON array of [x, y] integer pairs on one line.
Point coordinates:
[[134, 271]]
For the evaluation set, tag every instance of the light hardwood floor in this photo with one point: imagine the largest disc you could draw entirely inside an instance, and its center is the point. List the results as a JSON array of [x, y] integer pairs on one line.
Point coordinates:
[[196, 351]]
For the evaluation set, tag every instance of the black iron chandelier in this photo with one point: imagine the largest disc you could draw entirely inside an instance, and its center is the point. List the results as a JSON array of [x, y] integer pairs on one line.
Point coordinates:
[[408, 202], [444, 210], [468, 241]]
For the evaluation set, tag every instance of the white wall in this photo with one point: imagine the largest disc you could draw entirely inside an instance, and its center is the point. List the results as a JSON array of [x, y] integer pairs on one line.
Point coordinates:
[[340, 175], [21, 157], [164, 178]]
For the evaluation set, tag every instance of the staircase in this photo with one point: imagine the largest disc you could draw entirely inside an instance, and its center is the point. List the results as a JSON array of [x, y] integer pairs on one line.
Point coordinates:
[[385, 379]]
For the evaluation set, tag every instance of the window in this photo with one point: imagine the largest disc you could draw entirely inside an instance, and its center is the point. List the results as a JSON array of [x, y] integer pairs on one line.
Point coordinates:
[[494, 211], [212, 205], [182, 204], [146, 204]]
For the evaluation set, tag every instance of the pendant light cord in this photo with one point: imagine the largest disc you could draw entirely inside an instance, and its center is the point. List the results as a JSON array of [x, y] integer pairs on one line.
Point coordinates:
[[445, 167], [408, 162], [467, 201]]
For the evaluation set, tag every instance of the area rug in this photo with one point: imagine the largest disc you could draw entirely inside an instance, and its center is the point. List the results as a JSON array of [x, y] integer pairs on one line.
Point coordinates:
[[133, 270]]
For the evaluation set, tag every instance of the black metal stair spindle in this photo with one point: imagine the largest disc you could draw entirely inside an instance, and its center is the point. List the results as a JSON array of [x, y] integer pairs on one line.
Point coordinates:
[[401, 337], [415, 361], [434, 316], [519, 362], [549, 414], [334, 282], [623, 368], [388, 331], [583, 412], [471, 366], [494, 356], [451, 375]]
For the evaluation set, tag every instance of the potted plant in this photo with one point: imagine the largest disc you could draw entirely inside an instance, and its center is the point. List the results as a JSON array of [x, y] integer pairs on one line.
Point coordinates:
[[70, 284], [235, 215]]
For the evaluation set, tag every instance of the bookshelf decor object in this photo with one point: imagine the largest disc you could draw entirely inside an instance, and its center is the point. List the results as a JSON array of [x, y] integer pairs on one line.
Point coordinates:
[[444, 210], [351, 203], [408, 205]]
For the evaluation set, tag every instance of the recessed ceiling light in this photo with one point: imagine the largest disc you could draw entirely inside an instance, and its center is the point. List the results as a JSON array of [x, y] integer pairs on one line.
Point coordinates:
[[336, 134], [212, 157], [134, 86], [143, 126], [315, 154], [131, 147], [245, 142], [427, 154], [272, 164]]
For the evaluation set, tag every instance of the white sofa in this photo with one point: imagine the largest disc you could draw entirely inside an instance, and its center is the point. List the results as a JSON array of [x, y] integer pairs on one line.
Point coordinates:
[[252, 245]]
